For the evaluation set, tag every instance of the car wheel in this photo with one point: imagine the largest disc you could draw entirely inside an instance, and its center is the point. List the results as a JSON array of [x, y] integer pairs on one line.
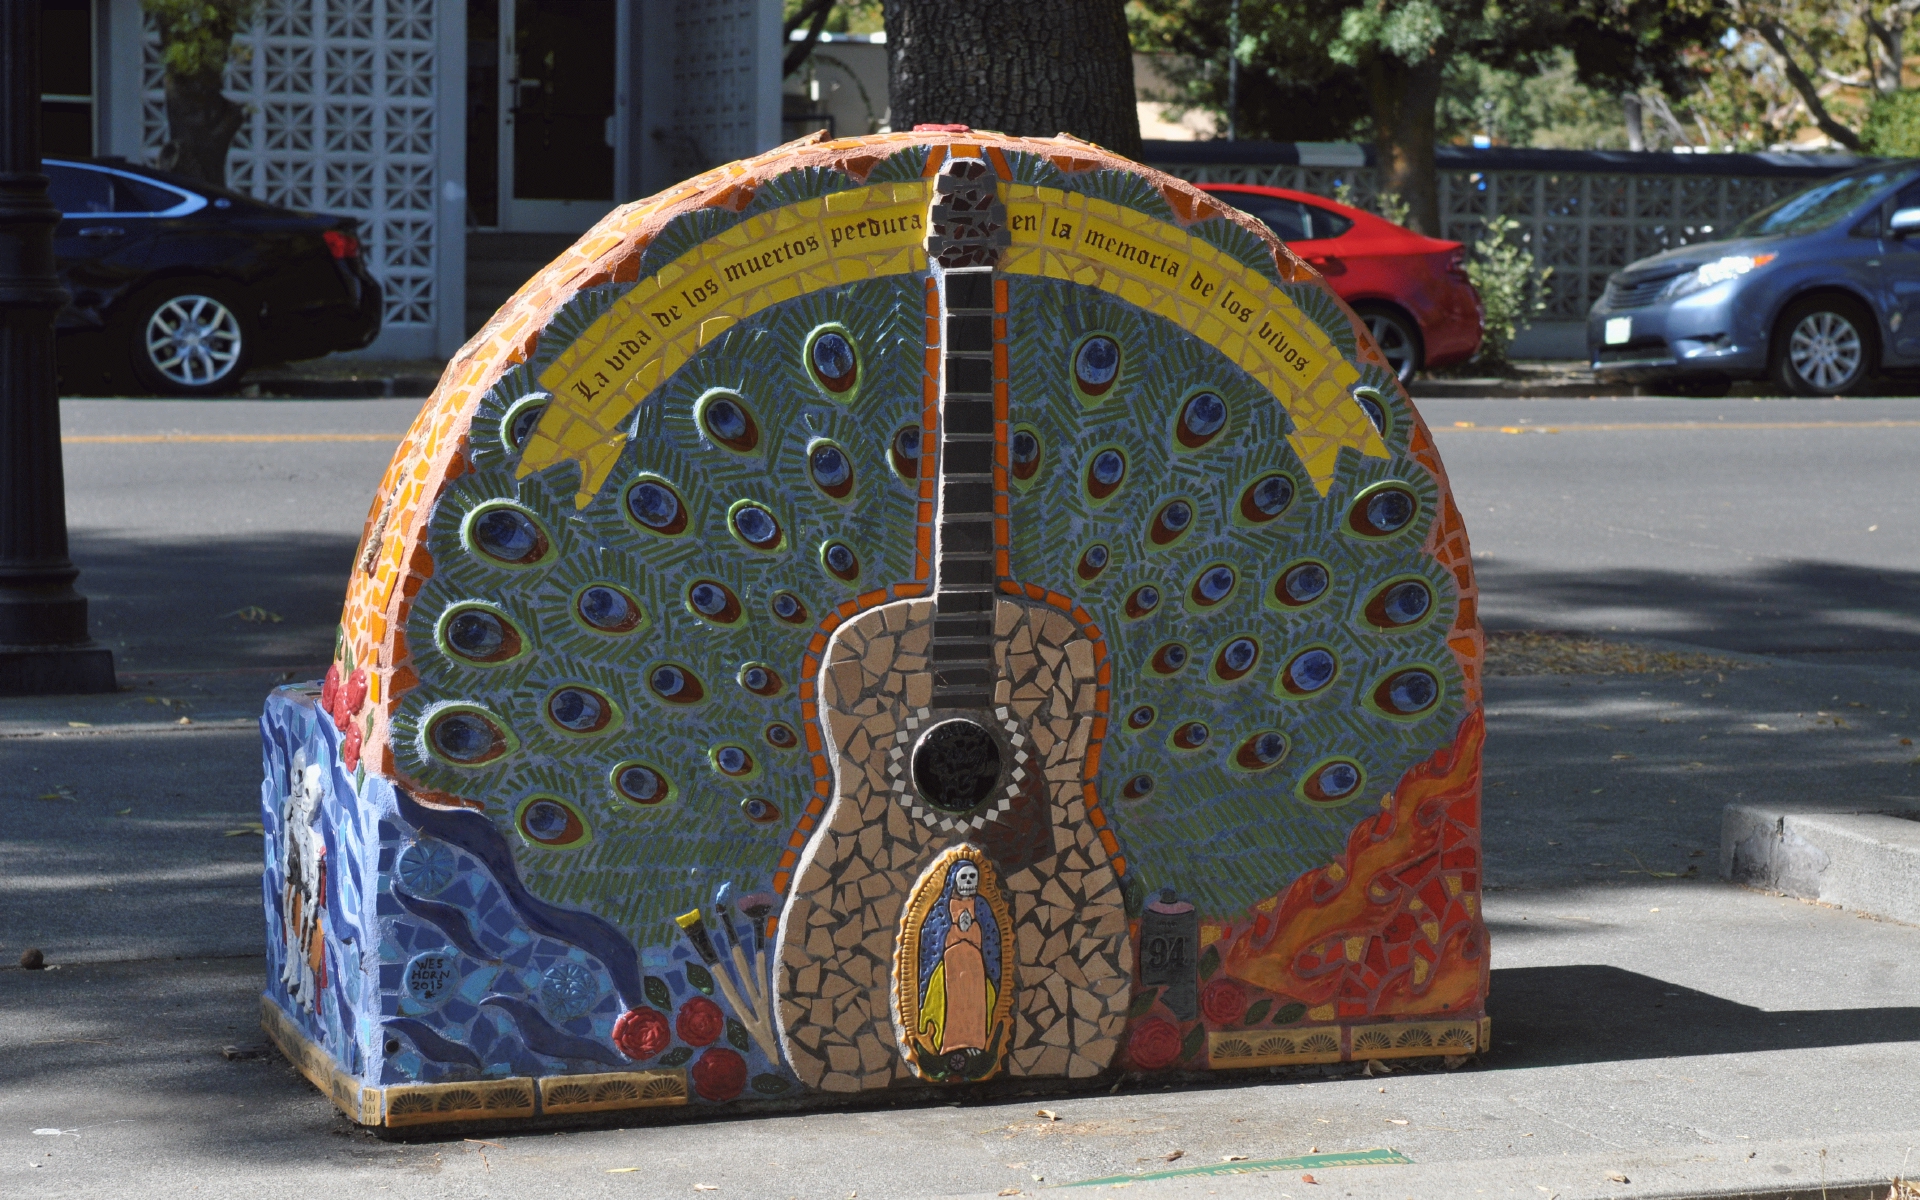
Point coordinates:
[[188, 338], [1398, 340], [1824, 347]]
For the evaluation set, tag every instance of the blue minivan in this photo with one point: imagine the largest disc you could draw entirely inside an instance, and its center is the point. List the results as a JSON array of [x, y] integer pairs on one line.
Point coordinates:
[[1818, 292]]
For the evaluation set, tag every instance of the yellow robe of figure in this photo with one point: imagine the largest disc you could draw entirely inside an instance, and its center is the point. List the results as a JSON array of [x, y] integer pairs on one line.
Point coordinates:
[[966, 981]]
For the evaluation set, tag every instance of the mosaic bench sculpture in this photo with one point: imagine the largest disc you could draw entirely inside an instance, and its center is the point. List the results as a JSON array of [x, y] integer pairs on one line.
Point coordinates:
[[896, 612]]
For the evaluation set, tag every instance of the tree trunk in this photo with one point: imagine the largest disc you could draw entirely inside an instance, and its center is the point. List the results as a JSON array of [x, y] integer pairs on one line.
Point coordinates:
[[1636, 124], [1890, 34], [1404, 97], [201, 123], [1032, 68], [1770, 33]]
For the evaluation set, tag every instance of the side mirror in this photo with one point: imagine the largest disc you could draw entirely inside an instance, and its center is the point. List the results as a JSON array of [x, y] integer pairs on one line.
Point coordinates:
[[1904, 222]]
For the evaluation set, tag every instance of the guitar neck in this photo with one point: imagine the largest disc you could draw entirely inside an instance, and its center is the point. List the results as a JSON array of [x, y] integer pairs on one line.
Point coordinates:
[[967, 229]]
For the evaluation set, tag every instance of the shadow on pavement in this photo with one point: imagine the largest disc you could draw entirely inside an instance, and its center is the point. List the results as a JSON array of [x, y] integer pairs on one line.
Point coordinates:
[[1812, 608], [184, 605], [1559, 1016]]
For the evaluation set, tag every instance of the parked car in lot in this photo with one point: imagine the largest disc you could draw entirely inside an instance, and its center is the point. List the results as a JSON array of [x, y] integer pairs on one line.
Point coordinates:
[[1819, 292], [1411, 290], [186, 285]]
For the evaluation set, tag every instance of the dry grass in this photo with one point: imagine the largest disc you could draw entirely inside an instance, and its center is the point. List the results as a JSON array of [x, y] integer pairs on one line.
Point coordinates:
[[1527, 653]]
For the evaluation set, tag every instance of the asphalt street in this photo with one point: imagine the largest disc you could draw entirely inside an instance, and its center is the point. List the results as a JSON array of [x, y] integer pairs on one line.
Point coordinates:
[[1649, 1020], [1773, 526]]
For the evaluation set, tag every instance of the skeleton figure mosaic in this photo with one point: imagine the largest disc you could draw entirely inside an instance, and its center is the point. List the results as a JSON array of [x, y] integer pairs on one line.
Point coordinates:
[[898, 612]]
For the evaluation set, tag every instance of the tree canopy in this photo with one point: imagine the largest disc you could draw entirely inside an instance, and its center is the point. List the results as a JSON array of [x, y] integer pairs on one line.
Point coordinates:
[[1313, 70]]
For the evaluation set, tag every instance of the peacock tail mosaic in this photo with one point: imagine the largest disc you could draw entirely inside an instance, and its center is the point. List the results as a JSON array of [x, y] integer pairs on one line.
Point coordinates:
[[898, 612]]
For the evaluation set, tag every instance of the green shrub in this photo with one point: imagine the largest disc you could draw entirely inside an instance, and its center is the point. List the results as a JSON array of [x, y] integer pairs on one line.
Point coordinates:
[[1893, 125], [1391, 206], [1394, 207], [1512, 288]]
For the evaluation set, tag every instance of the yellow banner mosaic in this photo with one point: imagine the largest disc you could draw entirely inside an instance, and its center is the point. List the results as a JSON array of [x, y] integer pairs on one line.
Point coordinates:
[[1162, 268], [848, 236], [867, 233]]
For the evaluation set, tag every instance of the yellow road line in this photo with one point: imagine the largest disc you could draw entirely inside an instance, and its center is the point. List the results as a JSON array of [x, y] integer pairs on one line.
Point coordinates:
[[1635, 426], [117, 439]]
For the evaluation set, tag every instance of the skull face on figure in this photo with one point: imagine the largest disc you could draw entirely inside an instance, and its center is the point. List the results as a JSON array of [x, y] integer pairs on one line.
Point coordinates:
[[966, 880], [304, 895]]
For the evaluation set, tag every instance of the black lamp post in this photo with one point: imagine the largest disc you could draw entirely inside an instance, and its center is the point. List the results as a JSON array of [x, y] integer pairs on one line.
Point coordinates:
[[44, 647]]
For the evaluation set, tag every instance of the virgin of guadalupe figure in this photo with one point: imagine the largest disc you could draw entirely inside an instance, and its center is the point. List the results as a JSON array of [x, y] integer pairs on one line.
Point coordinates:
[[959, 964]]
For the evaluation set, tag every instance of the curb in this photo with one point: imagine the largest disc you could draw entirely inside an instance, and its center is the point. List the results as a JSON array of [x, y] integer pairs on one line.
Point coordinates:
[[1864, 861]]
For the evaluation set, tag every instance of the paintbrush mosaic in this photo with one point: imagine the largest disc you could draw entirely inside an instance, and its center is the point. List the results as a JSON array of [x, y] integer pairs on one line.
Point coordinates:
[[903, 612]]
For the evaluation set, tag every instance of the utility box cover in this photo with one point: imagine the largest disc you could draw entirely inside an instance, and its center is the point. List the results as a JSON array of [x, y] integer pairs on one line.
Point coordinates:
[[910, 612]]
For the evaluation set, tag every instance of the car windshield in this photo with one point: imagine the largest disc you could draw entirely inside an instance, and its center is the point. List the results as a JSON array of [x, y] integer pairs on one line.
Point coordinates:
[[1819, 206]]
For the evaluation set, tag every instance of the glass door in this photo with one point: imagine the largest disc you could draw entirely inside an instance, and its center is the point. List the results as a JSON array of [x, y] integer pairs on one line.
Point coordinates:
[[556, 113]]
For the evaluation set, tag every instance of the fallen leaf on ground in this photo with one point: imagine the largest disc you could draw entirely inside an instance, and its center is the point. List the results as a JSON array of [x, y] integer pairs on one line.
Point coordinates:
[[253, 827], [1048, 1113], [1176, 1154], [184, 721], [1233, 1158], [621, 1170], [1395, 1121], [1617, 1177], [1012, 1191], [706, 1187], [1308, 1179]]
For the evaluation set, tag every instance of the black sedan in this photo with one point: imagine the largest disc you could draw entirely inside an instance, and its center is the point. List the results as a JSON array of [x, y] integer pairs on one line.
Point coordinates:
[[187, 285]]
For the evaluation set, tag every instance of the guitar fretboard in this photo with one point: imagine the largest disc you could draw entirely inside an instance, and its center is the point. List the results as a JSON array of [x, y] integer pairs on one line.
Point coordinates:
[[968, 229]]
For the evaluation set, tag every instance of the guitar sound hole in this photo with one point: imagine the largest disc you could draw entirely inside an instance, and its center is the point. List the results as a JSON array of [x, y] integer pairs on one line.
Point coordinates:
[[956, 765]]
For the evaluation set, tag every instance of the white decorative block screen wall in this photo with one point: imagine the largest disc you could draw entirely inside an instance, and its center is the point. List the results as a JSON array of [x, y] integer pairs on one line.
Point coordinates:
[[341, 118]]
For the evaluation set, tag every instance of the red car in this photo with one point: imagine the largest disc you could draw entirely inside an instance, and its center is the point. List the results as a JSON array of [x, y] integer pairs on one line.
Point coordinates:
[[1411, 290]]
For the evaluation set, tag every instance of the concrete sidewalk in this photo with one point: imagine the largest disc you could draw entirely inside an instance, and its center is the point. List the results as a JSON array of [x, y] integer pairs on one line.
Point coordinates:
[[1650, 1020]]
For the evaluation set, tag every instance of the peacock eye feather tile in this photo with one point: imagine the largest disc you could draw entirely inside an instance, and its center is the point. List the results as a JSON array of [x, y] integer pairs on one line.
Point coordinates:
[[909, 611]]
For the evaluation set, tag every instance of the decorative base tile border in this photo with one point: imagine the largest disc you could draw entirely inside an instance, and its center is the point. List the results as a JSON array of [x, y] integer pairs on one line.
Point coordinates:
[[662, 1087], [476, 1100], [480, 1100], [1346, 1043], [361, 1104]]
